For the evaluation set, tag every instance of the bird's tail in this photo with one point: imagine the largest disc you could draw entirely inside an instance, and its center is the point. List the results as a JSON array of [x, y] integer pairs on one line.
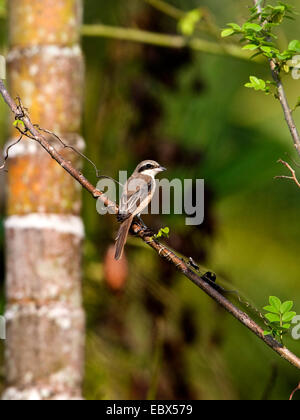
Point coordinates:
[[122, 237]]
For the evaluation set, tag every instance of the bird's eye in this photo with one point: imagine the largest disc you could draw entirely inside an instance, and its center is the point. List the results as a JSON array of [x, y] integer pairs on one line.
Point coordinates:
[[146, 167]]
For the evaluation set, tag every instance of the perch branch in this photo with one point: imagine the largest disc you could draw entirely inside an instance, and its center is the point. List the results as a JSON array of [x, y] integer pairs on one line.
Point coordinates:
[[163, 252], [282, 96]]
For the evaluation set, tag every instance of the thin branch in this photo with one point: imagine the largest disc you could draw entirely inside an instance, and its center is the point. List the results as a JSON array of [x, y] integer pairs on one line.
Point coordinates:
[[166, 8], [8, 149], [177, 14], [288, 114], [164, 40], [293, 177], [294, 392], [285, 106], [163, 252], [75, 150]]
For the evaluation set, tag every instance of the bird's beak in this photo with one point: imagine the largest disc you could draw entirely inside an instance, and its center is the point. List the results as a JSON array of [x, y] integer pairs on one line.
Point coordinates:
[[162, 169]]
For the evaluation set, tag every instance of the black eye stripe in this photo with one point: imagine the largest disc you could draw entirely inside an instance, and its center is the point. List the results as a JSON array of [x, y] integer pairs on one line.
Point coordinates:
[[145, 167]]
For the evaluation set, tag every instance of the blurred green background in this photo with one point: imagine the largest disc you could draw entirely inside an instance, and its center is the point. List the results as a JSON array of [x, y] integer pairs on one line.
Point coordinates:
[[150, 332]]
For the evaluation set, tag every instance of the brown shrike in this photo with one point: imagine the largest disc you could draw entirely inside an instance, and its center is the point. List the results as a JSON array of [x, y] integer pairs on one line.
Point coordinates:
[[137, 194]]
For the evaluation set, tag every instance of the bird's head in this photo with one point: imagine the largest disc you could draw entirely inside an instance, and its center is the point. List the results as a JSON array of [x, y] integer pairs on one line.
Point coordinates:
[[149, 167]]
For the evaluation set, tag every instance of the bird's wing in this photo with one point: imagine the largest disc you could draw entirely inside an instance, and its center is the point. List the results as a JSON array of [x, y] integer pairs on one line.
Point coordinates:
[[135, 192]]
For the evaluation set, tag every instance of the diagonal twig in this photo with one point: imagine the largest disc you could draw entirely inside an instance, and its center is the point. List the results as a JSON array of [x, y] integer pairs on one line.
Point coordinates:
[[163, 252]]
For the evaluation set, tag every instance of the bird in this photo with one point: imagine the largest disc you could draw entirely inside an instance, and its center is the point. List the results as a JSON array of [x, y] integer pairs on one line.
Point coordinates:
[[137, 194]]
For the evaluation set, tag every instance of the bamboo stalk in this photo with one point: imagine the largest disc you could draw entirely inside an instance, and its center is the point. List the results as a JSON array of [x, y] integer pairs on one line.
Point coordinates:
[[44, 231]]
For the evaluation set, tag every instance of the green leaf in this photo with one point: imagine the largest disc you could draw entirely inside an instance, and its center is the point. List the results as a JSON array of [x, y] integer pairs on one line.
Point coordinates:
[[227, 32], [267, 49], [252, 27], [271, 309], [163, 233], [16, 123], [255, 81], [235, 26], [280, 8], [250, 47], [267, 333], [275, 302], [285, 55], [288, 316], [257, 84], [294, 45], [286, 306], [286, 326], [188, 23], [273, 317]]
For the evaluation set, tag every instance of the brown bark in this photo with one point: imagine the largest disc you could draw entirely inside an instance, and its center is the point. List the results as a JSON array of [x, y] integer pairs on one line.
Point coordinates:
[[45, 321]]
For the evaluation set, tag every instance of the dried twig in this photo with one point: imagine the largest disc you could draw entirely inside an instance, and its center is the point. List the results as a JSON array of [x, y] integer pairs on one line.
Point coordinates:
[[75, 150], [293, 177], [165, 253], [8, 149]]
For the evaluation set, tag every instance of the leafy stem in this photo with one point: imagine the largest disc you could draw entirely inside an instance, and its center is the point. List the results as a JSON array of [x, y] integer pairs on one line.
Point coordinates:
[[257, 35], [279, 316]]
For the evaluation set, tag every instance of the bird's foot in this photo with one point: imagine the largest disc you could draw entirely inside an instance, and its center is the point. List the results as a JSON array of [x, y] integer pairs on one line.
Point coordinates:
[[141, 222], [143, 228], [148, 232]]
